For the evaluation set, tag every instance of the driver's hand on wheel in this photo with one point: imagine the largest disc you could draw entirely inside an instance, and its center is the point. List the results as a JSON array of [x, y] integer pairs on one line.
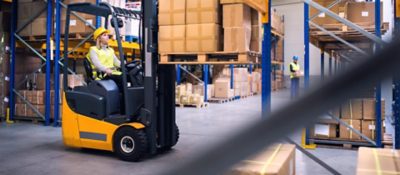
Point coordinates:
[[109, 71]]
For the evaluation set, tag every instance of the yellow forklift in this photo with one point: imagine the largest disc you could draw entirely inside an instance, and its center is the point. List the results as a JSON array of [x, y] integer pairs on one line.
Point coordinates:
[[136, 120]]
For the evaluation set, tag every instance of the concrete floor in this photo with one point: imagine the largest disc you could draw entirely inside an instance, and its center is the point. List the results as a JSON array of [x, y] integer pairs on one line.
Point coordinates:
[[33, 149]]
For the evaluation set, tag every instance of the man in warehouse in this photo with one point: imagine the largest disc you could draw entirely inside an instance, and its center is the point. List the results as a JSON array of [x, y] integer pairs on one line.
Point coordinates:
[[102, 58], [294, 77]]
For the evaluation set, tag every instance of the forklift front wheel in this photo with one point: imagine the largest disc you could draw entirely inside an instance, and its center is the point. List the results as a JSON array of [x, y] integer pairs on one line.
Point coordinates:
[[130, 144]]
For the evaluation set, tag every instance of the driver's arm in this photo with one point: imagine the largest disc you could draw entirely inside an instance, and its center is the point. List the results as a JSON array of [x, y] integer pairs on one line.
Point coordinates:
[[117, 62]]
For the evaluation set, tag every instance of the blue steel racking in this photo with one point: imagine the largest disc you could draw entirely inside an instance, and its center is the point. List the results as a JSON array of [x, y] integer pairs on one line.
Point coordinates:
[[339, 65], [396, 91], [57, 35]]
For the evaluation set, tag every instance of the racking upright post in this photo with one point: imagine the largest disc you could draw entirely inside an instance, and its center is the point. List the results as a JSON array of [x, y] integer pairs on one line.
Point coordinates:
[[307, 66], [57, 65], [322, 63], [178, 74], [378, 105], [14, 18], [206, 77], [49, 25], [396, 91], [330, 64], [266, 63], [231, 67]]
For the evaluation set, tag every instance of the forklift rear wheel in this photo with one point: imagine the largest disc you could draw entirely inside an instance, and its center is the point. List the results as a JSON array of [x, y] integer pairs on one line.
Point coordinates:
[[130, 144]]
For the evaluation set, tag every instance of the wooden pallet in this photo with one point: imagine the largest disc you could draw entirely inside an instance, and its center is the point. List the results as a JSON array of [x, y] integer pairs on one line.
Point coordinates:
[[34, 120], [202, 105], [222, 100], [340, 143], [211, 58]]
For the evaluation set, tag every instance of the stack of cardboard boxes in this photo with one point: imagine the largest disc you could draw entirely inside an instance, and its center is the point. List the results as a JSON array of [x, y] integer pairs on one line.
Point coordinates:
[[201, 18], [193, 95], [195, 26], [26, 10], [37, 95], [358, 113], [361, 13], [77, 26]]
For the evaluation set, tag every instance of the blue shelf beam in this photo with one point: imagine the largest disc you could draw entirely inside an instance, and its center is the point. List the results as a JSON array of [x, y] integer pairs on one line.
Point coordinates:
[[266, 64], [206, 69], [378, 95], [49, 26], [396, 91], [14, 18], [330, 64], [178, 74], [322, 63], [231, 68], [57, 66], [306, 59]]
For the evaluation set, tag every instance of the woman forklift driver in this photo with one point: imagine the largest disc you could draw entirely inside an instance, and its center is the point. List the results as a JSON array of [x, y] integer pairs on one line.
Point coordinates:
[[102, 58]]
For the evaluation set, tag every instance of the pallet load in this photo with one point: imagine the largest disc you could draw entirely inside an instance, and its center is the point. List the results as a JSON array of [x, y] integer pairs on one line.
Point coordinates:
[[186, 96], [359, 13], [277, 159], [203, 44], [359, 114], [36, 96]]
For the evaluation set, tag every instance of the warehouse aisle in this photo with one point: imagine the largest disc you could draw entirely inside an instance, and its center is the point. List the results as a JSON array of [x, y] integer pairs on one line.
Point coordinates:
[[27, 148]]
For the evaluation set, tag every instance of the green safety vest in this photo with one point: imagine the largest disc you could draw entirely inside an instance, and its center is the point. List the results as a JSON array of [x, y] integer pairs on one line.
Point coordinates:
[[296, 67], [106, 58]]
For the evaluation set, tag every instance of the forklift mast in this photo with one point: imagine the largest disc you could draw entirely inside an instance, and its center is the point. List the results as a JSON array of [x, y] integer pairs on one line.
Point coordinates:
[[159, 83]]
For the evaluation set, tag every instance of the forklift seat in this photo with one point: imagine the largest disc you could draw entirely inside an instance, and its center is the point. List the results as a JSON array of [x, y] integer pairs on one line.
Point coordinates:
[[88, 70]]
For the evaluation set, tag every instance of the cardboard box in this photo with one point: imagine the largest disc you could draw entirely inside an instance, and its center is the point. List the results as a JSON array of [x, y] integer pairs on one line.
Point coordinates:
[[199, 89], [203, 37], [362, 13], [203, 12], [172, 12], [180, 90], [324, 131], [374, 160], [39, 27], [27, 31], [259, 5], [256, 38], [237, 39], [277, 22], [346, 133], [24, 10], [281, 160], [222, 88], [352, 109], [368, 129], [369, 112], [236, 15], [73, 81], [323, 18], [172, 39]]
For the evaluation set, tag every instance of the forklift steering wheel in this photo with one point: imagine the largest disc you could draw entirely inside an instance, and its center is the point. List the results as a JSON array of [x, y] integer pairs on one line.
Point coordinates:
[[135, 72]]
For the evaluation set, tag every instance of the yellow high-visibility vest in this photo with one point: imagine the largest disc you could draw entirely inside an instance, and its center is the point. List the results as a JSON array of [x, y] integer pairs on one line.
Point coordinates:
[[296, 67], [106, 58]]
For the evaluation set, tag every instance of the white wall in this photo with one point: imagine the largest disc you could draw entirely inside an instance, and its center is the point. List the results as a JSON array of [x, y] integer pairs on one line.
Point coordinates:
[[294, 36]]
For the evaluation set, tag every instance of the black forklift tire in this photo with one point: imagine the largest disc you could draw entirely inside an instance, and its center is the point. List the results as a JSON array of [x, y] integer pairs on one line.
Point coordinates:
[[130, 144], [168, 148]]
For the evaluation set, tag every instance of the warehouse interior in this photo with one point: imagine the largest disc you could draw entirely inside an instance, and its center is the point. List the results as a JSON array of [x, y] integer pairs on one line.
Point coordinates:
[[199, 87]]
